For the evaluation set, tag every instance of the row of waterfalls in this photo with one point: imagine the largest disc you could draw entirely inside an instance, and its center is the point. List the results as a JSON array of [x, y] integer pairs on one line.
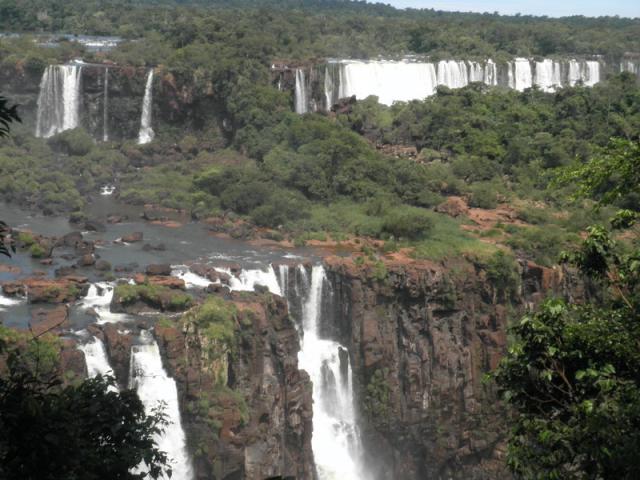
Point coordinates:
[[335, 441], [320, 87], [60, 102]]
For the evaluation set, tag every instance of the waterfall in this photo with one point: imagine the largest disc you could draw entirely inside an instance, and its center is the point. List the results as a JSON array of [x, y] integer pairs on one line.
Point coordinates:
[[389, 81], [575, 74], [153, 385], [335, 441], [146, 132], [58, 100], [490, 73], [592, 74], [95, 357], [105, 107], [247, 280], [452, 74], [98, 301], [301, 98], [476, 72], [522, 74]]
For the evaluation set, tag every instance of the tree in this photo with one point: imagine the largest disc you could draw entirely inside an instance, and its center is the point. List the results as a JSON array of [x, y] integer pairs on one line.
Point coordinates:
[[572, 374], [7, 115], [87, 430]]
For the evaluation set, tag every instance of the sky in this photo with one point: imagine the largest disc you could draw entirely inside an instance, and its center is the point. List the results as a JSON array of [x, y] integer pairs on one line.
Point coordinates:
[[551, 8]]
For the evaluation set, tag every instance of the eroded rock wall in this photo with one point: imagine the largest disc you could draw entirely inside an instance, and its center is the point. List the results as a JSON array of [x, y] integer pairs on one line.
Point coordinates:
[[421, 341]]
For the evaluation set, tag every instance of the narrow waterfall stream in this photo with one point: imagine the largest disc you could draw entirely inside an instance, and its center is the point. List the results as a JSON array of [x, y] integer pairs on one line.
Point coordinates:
[[105, 107], [146, 133], [153, 385], [95, 357]]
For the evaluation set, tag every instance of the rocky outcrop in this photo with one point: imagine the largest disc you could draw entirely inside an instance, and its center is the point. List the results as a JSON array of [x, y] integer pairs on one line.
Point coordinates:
[[421, 340], [247, 409], [46, 290]]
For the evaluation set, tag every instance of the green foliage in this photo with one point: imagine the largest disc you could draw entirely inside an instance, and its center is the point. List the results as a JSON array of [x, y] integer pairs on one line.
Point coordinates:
[[73, 142], [37, 251], [216, 318], [571, 374], [377, 401], [502, 274], [156, 296], [407, 223], [83, 429]]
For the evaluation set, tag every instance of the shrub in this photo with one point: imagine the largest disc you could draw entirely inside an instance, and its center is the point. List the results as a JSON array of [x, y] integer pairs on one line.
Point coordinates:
[[37, 251], [483, 196], [410, 223], [73, 142]]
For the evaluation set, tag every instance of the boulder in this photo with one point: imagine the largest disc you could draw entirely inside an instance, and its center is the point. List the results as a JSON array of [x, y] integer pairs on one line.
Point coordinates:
[[71, 239], [65, 271], [86, 260], [49, 319], [159, 269], [94, 226], [103, 266], [453, 206], [148, 247], [132, 237]]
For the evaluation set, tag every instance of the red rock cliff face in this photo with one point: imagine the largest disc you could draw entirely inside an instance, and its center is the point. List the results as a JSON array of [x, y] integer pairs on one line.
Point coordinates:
[[421, 341], [247, 413]]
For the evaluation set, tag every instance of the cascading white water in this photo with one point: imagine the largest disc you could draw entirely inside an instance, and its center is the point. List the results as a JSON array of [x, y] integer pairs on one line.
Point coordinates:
[[575, 75], [592, 74], [389, 81], [476, 72], [247, 280], [153, 385], [522, 77], [335, 441], [105, 107], [544, 77], [490, 73], [301, 98], [98, 299], [146, 133], [96, 357], [452, 74], [406, 80], [58, 100]]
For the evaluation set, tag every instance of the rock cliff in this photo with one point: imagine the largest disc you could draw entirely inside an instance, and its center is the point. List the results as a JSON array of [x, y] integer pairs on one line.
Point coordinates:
[[421, 340]]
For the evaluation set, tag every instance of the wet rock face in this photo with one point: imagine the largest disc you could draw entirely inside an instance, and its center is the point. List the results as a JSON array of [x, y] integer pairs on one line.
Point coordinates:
[[247, 410], [421, 342]]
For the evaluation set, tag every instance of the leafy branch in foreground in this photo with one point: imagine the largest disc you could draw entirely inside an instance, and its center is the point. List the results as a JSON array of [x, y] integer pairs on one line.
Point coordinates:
[[572, 374], [7, 115], [77, 430]]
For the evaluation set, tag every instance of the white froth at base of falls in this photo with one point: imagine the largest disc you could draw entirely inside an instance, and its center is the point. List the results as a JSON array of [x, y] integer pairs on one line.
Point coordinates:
[[146, 133], [107, 189], [153, 385], [335, 440]]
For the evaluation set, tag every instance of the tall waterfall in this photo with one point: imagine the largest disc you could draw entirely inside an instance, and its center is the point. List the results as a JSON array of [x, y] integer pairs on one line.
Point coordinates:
[[146, 132], [335, 441], [59, 100], [302, 96], [406, 80], [105, 107], [149, 378]]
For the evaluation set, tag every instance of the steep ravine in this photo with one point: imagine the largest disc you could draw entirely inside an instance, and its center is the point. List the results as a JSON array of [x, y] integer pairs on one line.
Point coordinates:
[[421, 341]]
